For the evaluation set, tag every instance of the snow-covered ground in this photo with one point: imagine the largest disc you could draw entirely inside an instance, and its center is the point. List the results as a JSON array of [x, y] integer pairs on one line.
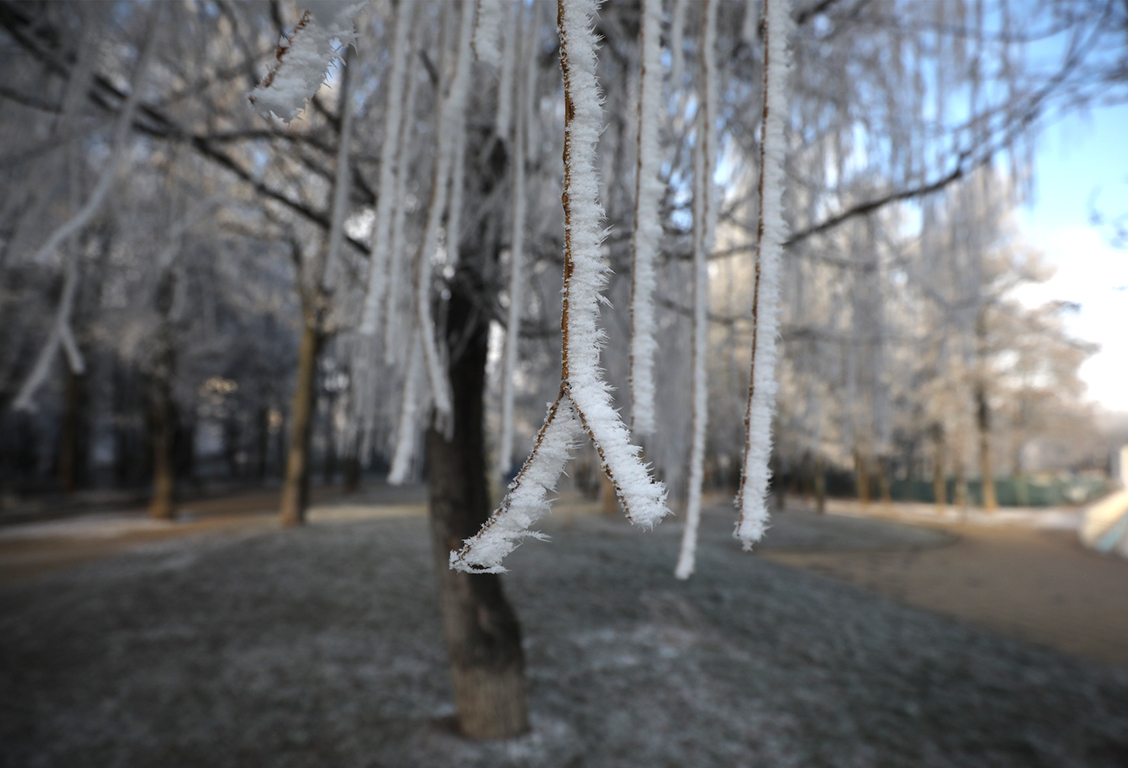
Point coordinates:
[[322, 647]]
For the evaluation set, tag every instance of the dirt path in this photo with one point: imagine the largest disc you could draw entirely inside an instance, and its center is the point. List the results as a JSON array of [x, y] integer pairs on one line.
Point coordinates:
[[1036, 585]]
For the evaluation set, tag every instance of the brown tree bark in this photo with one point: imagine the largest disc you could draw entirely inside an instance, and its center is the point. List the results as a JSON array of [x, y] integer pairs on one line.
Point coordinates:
[[986, 471], [295, 488], [883, 483], [820, 484], [483, 637], [961, 486], [351, 481], [162, 426], [939, 481], [862, 478], [70, 430]]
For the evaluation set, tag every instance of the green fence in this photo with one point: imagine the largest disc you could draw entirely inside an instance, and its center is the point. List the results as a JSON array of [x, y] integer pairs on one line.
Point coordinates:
[[1010, 492]]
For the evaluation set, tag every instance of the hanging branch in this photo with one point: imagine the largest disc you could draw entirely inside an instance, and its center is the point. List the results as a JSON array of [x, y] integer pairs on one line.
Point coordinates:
[[510, 54], [677, 49], [122, 127], [704, 222], [487, 32], [60, 336], [340, 205], [647, 234], [584, 400], [451, 129], [748, 26], [516, 255], [390, 160], [772, 234], [396, 257], [454, 214], [409, 406]]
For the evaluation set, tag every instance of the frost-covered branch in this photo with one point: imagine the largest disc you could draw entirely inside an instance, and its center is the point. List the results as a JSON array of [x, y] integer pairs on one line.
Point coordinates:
[[772, 235], [516, 259], [452, 124], [392, 315], [527, 499], [510, 55], [647, 234], [487, 32], [677, 48], [341, 180], [584, 396], [390, 160], [122, 126], [304, 57], [409, 406], [704, 222], [60, 336]]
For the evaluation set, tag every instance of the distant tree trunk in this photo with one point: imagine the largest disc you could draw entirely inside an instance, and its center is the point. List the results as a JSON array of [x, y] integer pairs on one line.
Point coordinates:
[[330, 447], [983, 422], [231, 440], [71, 443], [262, 443], [820, 484], [295, 488], [162, 431], [961, 486], [351, 482], [861, 476], [482, 634], [939, 482], [883, 482]]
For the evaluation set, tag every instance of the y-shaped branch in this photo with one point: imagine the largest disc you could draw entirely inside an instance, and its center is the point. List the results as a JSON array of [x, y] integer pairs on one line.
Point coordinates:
[[584, 396], [752, 499]]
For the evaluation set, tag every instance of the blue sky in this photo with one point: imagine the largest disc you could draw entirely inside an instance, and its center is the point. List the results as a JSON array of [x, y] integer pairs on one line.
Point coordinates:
[[1078, 156]]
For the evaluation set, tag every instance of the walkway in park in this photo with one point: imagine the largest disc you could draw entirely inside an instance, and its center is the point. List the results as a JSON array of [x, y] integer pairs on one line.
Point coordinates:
[[1020, 574]]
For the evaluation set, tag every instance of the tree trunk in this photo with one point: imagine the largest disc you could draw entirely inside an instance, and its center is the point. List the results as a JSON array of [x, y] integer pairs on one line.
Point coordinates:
[[983, 422], [262, 443], [861, 478], [295, 488], [820, 484], [939, 481], [162, 426], [883, 482], [71, 451], [352, 468], [961, 486], [482, 634]]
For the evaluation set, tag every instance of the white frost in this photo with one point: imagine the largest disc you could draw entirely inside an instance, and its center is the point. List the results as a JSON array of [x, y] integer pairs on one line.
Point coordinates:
[[516, 260], [390, 161], [761, 399], [704, 223], [303, 60], [487, 32], [396, 258], [409, 405], [451, 129], [647, 233], [582, 387], [527, 499]]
